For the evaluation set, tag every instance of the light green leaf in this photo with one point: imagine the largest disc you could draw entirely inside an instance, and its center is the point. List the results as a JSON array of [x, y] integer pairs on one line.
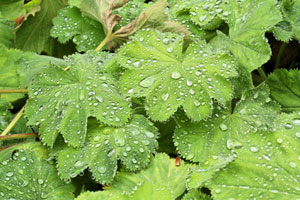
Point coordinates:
[[285, 88], [132, 144], [289, 28], [26, 174], [158, 70], [61, 101], [248, 21], [18, 68], [71, 24], [211, 142], [12, 9], [266, 167], [34, 33], [7, 35], [161, 180]]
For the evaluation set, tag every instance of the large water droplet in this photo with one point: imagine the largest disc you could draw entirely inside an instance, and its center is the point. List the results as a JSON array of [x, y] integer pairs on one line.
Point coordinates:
[[223, 127], [254, 149], [147, 82], [296, 122], [164, 97], [78, 164], [175, 75], [102, 170], [149, 134], [288, 126]]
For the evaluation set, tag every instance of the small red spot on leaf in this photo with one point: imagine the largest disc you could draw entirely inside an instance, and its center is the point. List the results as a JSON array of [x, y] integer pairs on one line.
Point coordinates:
[[177, 162]]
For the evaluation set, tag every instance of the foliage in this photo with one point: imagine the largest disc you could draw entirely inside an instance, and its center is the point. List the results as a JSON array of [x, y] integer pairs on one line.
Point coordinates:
[[134, 99]]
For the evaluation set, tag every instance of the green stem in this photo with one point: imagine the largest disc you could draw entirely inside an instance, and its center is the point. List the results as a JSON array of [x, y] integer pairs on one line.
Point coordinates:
[[279, 55], [18, 136], [262, 73], [13, 122], [105, 41], [13, 91]]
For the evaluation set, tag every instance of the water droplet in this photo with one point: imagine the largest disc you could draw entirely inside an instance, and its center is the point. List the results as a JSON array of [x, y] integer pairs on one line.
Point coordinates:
[[137, 64], [120, 141], [223, 127], [175, 75], [164, 97], [288, 126], [149, 134], [78, 164], [170, 49], [254, 149], [279, 140], [102, 170], [196, 103], [147, 82], [166, 41], [296, 122], [141, 150], [189, 83], [40, 181], [9, 174], [298, 134], [233, 144], [293, 164]]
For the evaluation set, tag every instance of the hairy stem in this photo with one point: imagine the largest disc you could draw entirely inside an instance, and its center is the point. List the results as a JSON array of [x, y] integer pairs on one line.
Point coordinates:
[[279, 55], [262, 73], [13, 122], [18, 136], [13, 91], [105, 41]]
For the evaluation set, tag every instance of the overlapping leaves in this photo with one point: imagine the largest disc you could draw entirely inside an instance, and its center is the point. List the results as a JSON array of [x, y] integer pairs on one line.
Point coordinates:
[[161, 180], [132, 144], [159, 71], [26, 174], [61, 101]]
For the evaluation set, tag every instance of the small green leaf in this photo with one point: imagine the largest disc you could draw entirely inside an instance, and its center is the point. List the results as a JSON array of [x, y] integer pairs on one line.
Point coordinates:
[[5, 115], [285, 89], [161, 180], [26, 174], [195, 195], [132, 144], [71, 24], [266, 167], [248, 21], [61, 101], [158, 70], [34, 33]]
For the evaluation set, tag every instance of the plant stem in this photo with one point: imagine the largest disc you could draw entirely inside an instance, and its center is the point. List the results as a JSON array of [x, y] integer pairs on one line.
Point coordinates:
[[18, 136], [262, 73], [13, 91], [105, 41], [13, 122], [279, 55]]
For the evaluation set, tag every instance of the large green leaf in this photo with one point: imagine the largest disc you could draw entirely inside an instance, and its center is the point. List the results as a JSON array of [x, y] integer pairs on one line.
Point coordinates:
[[34, 33], [158, 70], [132, 144], [285, 89], [211, 142], [12, 9], [26, 175], [248, 21], [18, 68], [7, 35], [161, 180], [86, 33], [289, 28], [266, 167], [61, 101]]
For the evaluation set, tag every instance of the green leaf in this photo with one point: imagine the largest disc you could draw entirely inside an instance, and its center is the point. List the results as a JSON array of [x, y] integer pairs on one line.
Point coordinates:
[[199, 12], [266, 167], [161, 180], [18, 68], [132, 144], [210, 143], [289, 27], [101, 195], [285, 89], [168, 79], [70, 23], [34, 33], [61, 101], [7, 35], [26, 174], [12, 9], [248, 21]]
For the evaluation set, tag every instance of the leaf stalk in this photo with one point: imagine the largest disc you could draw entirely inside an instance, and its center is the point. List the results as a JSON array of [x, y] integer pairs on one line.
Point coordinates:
[[13, 91], [13, 122]]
